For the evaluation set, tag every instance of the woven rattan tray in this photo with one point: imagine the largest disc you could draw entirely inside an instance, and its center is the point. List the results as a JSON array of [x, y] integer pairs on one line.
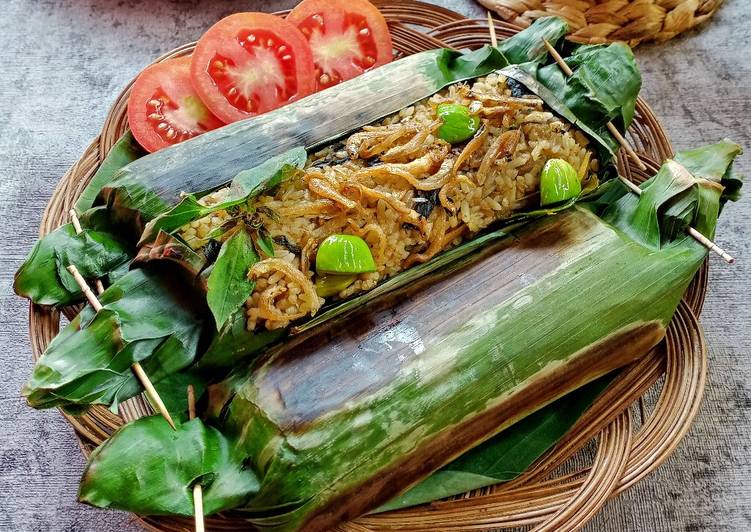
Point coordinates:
[[557, 492]]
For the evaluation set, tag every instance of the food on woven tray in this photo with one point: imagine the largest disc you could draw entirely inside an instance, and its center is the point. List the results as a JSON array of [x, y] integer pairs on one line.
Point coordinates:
[[419, 258], [344, 417]]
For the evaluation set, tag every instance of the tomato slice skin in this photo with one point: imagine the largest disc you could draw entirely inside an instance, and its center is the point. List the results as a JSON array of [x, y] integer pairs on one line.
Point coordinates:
[[347, 37], [250, 63], [163, 107]]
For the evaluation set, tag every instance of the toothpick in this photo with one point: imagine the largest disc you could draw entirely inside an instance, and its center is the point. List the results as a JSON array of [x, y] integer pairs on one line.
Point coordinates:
[[632, 154], [613, 130], [491, 27], [93, 301], [197, 489], [696, 235], [136, 367], [77, 226]]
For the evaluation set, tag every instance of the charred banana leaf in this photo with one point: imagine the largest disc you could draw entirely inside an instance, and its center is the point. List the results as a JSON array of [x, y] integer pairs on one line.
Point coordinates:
[[413, 382]]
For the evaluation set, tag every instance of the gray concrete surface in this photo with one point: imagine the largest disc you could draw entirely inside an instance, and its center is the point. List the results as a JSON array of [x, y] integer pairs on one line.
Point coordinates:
[[63, 61]]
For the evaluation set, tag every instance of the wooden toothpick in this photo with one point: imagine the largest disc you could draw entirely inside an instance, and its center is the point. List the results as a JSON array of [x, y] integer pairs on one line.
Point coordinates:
[[77, 226], [703, 240], [696, 235], [491, 27], [613, 130], [136, 367], [197, 489]]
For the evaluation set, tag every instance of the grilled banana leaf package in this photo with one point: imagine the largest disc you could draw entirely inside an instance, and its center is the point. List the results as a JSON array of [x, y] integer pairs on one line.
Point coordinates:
[[346, 416]]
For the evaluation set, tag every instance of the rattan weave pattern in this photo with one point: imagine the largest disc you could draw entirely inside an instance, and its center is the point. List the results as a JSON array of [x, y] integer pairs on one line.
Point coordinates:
[[598, 21], [541, 497]]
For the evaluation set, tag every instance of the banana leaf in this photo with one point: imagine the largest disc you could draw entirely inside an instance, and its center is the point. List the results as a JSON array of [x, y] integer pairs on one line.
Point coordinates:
[[506, 455], [125, 151], [603, 74], [148, 316], [99, 250], [156, 476], [570, 299], [343, 417], [228, 286], [43, 277]]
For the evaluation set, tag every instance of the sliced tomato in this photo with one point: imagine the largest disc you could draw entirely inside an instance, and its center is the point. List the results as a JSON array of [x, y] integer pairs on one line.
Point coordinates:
[[250, 63], [348, 37], [164, 109]]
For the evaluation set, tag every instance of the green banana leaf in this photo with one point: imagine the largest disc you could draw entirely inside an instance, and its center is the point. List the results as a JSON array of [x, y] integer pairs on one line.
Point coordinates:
[[89, 361], [506, 455], [173, 390], [99, 250], [713, 164], [597, 293], [125, 151], [156, 475], [43, 277], [603, 87], [228, 283]]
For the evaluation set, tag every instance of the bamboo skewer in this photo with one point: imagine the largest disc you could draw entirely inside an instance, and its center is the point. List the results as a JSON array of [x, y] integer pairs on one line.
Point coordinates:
[[136, 367], [77, 226], [197, 489], [703, 240], [613, 130], [491, 28]]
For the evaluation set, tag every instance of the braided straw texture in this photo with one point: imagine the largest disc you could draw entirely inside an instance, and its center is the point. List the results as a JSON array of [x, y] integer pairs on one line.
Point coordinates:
[[598, 21], [562, 490]]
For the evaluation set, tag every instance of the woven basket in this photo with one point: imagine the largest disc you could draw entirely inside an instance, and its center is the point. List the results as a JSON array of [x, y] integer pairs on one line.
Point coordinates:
[[630, 440], [598, 21]]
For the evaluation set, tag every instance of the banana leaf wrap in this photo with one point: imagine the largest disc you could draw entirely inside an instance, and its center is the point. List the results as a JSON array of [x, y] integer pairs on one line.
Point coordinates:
[[343, 418], [148, 316], [327, 419]]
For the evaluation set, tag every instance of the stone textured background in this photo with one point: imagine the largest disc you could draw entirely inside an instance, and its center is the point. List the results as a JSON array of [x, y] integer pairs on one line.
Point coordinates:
[[63, 61]]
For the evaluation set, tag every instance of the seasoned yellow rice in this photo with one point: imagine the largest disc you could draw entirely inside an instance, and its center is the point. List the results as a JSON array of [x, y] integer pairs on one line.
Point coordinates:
[[404, 190]]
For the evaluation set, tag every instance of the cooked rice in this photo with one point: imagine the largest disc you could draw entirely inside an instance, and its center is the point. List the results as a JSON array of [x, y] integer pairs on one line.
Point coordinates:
[[408, 193]]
